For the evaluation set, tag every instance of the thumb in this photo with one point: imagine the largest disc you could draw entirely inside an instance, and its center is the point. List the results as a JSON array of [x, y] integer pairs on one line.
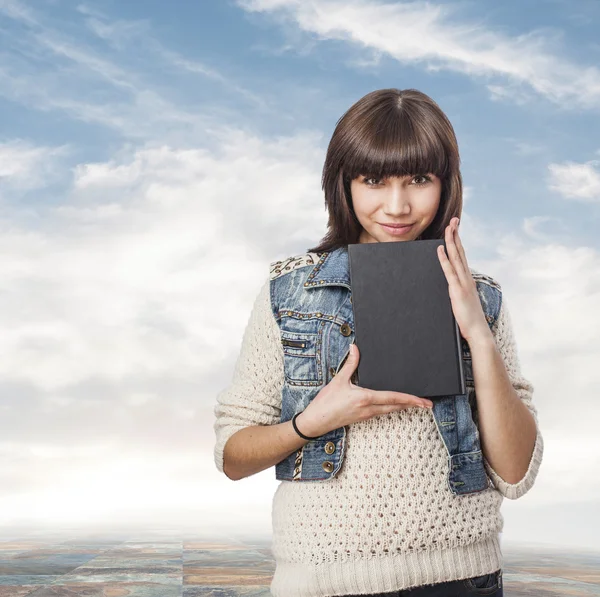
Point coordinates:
[[351, 363]]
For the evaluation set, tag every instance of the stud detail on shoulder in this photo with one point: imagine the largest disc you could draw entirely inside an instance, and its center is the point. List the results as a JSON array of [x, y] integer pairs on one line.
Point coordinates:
[[278, 268], [479, 277]]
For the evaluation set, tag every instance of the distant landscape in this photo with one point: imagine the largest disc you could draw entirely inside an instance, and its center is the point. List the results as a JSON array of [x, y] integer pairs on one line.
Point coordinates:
[[164, 563]]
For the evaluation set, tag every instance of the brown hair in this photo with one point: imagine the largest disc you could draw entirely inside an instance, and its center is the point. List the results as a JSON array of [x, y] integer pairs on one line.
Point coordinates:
[[389, 132]]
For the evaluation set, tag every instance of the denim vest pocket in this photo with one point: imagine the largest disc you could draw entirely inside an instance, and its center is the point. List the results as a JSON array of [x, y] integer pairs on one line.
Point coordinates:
[[301, 358]]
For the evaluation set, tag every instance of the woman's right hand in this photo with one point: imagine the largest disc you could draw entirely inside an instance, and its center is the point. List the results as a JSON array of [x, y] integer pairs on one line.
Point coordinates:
[[341, 402]]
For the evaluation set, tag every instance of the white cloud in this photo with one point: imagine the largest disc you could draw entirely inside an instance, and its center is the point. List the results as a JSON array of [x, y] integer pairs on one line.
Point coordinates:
[[435, 37], [25, 166], [546, 229], [154, 243], [526, 148], [118, 311], [580, 182]]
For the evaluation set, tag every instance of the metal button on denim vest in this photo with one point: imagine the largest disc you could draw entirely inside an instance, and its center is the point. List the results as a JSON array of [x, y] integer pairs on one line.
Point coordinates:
[[311, 299]]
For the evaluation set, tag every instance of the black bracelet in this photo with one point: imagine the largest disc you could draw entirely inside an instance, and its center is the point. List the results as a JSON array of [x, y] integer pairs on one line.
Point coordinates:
[[298, 431]]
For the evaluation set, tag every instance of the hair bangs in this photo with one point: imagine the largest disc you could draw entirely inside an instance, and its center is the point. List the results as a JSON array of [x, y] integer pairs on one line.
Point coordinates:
[[392, 146]]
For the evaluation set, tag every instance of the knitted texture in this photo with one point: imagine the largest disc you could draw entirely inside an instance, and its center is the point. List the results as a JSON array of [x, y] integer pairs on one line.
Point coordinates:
[[388, 520], [254, 395]]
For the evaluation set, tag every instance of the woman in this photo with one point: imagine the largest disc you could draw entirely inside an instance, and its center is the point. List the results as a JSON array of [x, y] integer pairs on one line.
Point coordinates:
[[368, 502]]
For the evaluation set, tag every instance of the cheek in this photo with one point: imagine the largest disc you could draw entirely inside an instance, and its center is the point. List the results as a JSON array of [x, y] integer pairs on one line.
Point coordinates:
[[430, 204], [363, 210], [359, 201]]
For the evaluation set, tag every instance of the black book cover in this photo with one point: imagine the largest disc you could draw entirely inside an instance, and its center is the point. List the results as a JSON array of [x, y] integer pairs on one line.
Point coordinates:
[[406, 332]]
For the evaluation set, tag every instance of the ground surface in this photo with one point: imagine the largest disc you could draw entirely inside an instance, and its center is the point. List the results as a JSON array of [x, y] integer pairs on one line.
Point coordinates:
[[163, 564]]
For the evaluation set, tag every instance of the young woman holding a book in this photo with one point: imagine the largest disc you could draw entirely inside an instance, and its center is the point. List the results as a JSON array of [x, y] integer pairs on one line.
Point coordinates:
[[381, 493]]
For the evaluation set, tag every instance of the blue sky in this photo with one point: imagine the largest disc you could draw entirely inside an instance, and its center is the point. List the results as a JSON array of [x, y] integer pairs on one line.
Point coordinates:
[[155, 155]]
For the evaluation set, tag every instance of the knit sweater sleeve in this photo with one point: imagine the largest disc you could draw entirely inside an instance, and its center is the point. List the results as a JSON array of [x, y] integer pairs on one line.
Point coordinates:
[[505, 341], [253, 396]]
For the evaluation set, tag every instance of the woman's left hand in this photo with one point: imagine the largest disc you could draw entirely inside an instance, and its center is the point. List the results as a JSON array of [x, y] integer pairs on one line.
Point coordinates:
[[466, 304]]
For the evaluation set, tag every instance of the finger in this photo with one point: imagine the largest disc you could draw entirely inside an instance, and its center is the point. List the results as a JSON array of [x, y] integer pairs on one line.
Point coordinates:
[[461, 251], [451, 248], [448, 267], [390, 397], [453, 252]]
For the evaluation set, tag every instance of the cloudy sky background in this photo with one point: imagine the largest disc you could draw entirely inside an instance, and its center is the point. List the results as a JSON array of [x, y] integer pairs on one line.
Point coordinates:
[[155, 157]]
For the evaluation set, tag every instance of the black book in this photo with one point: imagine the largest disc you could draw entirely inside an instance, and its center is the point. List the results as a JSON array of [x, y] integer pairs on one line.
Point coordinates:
[[405, 328]]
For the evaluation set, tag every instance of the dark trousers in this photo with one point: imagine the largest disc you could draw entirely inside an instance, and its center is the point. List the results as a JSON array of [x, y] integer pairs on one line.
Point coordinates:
[[487, 584]]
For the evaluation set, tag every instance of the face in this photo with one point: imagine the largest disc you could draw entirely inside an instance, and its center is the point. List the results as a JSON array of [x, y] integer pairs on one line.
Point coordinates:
[[395, 200]]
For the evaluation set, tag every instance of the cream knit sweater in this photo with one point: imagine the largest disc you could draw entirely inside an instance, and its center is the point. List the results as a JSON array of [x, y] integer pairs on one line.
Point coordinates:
[[387, 521]]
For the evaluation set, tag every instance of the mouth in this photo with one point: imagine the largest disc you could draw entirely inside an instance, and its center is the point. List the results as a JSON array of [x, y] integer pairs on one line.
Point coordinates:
[[397, 229]]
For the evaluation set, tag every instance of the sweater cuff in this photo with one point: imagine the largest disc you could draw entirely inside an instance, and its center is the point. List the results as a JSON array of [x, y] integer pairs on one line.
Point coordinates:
[[222, 438], [514, 491]]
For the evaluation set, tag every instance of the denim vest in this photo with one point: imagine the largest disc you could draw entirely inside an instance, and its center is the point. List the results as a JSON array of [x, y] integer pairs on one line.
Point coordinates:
[[311, 300]]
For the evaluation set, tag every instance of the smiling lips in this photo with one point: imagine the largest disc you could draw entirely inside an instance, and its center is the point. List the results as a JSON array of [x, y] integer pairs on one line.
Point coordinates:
[[396, 229]]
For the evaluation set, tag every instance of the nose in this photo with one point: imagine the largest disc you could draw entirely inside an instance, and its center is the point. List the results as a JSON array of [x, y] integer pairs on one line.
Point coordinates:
[[397, 201]]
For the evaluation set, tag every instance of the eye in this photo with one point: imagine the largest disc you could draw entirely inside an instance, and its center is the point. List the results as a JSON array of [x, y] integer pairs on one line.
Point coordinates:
[[371, 184], [424, 176]]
